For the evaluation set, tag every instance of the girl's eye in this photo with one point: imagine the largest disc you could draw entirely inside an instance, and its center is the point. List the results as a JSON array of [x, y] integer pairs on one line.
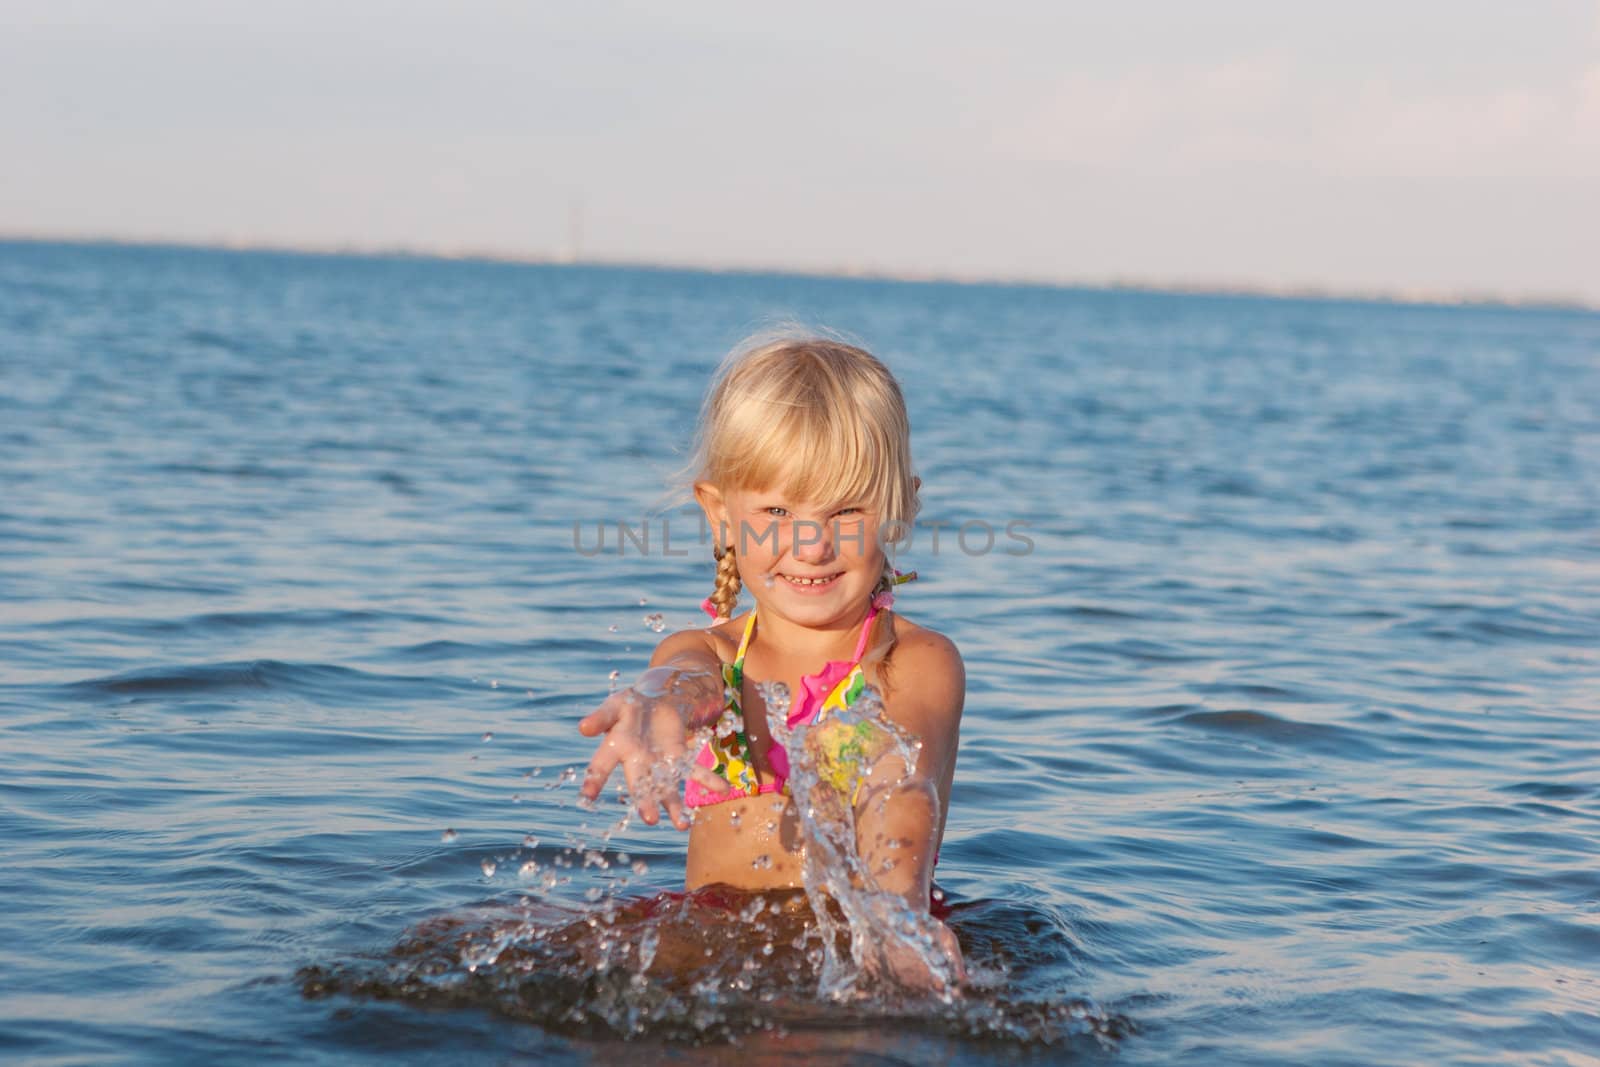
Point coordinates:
[[848, 511], [778, 513]]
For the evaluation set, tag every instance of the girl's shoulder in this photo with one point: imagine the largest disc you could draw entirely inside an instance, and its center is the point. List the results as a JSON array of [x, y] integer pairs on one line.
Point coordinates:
[[720, 641], [924, 682], [924, 657], [921, 641]]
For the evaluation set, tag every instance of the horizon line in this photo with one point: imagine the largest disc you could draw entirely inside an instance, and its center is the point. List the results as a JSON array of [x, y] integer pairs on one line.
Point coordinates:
[[1410, 296]]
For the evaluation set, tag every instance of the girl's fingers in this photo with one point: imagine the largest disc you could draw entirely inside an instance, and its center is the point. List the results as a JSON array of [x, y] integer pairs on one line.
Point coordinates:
[[666, 734], [661, 776], [614, 749], [599, 769], [594, 780], [641, 785], [710, 779], [599, 720], [675, 811]]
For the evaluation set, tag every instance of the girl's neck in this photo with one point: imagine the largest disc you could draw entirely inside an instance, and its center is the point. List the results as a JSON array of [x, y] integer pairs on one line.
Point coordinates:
[[788, 640]]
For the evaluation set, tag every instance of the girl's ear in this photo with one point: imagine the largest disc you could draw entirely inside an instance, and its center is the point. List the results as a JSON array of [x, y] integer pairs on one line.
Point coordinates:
[[916, 483], [711, 501]]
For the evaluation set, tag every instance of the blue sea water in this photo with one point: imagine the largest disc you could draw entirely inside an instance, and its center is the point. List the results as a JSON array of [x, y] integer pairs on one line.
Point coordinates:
[[1280, 743]]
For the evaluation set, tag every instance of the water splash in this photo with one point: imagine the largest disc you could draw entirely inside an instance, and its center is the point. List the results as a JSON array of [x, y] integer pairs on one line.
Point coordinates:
[[775, 695], [847, 773], [714, 965], [577, 954]]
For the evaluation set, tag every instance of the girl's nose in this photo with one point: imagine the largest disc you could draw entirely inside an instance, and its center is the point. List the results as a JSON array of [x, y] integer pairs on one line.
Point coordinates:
[[813, 542]]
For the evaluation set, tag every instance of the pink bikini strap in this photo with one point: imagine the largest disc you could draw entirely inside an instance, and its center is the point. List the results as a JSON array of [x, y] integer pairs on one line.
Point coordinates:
[[866, 632]]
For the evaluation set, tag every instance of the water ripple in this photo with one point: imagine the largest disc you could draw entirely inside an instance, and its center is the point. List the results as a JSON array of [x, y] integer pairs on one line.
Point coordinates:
[[1278, 746]]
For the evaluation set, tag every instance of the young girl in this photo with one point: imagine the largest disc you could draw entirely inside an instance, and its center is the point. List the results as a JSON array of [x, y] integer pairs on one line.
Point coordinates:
[[803, 470]]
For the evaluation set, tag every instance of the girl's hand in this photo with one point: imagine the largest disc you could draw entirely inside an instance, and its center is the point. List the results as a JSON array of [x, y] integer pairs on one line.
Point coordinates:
[[903, 966], [645, 727]]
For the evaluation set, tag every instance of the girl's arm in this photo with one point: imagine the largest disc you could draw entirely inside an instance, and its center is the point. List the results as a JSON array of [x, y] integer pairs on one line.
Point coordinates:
[[901, 820], [645, 726]]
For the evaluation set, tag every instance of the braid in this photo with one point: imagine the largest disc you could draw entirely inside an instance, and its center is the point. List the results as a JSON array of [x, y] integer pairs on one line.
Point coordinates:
[[879, 652], [886, 579], [725, 594]]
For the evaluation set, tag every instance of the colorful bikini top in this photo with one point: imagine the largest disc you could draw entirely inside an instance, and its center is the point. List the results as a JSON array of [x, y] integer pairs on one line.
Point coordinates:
[[839, 684]]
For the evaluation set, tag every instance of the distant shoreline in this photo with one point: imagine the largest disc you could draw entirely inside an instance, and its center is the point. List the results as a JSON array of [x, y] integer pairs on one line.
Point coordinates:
[[1410, 297]]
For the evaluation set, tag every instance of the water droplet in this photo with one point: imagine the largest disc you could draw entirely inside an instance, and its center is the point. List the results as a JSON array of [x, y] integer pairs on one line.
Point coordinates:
[[655, 621], [495, 684], [761, 863], [488, 867], [592, 893], [641, 868], [529, 841], [643, 601], [488, 735], [775, 695], [516, 798], [612, 628], [769, 580], [733, 819], [647, 947], [528, 869], [448, 836]]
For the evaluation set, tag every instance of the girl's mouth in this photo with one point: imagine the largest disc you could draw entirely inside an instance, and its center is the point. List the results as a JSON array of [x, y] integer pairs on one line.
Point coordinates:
[[809, 585]]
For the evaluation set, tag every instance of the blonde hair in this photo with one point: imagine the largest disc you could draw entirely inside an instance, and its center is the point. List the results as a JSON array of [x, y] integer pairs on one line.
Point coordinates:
[[816, 418]]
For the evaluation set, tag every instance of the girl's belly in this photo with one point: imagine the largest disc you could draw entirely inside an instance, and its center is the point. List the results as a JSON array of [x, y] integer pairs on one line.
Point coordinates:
[[750, 843]]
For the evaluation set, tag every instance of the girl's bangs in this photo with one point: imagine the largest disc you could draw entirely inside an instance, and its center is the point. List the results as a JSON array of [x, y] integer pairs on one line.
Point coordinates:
[[828, 457]]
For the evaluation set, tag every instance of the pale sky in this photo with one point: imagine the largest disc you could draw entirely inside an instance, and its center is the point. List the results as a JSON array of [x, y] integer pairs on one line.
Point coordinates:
[[1408, 144]]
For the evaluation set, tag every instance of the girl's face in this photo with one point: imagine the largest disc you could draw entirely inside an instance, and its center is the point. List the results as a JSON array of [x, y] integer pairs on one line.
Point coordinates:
[[814, 564]]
